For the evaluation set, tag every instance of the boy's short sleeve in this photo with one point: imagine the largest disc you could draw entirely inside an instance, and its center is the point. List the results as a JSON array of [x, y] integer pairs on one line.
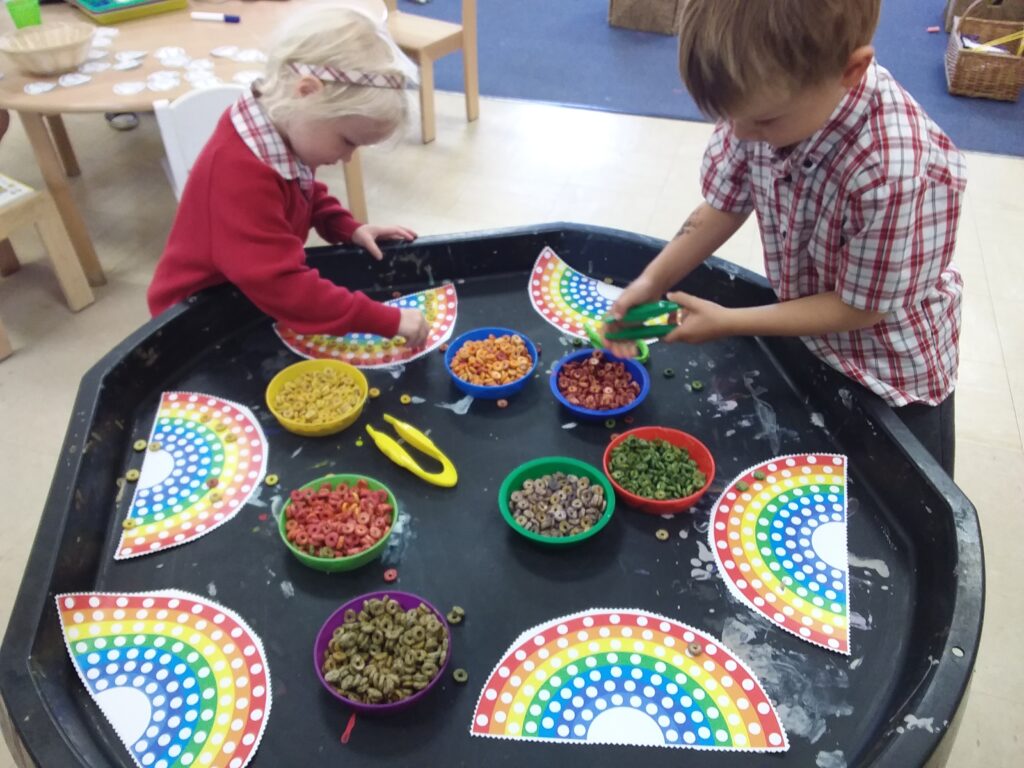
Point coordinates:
[[899, 237], [725, 173]]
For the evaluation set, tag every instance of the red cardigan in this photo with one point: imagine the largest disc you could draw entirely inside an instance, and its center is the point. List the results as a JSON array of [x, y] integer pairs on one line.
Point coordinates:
[[241, 222]]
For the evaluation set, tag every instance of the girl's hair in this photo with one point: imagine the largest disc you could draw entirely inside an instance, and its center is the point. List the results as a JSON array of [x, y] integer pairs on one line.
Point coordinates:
[[330, 36]]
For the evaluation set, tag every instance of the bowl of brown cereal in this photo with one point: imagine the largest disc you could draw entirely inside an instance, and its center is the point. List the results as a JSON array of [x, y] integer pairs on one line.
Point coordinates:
[[317, 397], [382, 652]]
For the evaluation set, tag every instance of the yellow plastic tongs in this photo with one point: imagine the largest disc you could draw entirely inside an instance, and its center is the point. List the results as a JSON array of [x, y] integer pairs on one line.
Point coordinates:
[[447, 477]]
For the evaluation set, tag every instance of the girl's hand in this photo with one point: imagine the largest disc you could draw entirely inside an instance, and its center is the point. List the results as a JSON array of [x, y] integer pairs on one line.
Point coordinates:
[[368, 235], [413, 327], [699, 320]]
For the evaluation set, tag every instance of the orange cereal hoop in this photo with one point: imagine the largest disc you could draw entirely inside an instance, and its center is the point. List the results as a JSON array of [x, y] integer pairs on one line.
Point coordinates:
[[365, 350]]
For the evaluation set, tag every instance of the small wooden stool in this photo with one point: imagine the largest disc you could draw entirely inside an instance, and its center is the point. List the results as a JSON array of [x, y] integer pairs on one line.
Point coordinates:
[[21, 205]]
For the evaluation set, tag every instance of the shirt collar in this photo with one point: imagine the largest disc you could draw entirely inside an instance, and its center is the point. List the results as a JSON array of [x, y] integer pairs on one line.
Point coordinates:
[[845, 121], [266, 142]]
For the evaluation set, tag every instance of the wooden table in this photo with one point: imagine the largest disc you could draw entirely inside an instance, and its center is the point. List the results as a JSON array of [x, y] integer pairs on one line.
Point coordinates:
[[41, 114]]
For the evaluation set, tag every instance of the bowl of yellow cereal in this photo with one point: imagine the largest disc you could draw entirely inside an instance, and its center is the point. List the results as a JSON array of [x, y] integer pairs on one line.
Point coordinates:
[[317, 397], [491, 363]]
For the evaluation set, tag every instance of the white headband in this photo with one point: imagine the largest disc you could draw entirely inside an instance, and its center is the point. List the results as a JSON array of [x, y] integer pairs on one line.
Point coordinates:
[[352, 77]]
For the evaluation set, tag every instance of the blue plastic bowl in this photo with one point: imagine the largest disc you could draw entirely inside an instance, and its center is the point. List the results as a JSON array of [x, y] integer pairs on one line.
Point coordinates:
[[637, 371], [489, 393]]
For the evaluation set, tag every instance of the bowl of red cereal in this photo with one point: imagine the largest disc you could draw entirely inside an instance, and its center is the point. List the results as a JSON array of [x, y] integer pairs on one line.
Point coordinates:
[[338, 522], [491, 363], [595, 385]]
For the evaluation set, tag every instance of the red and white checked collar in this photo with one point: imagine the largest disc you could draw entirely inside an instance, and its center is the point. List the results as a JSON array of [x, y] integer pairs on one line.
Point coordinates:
[[349, 77], [867, 207], [266, 142]]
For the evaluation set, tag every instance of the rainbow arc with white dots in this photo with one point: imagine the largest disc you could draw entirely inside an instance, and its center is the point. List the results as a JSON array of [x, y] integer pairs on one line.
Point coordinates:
[[181, 680], [628, 677], [439, 305], [569, 299], [778, 532], [205, 459]]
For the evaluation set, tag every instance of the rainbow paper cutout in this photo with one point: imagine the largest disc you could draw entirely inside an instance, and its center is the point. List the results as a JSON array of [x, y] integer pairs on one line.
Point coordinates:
[[626, 677], [570, 300], [366, 350], [183, 681], [781, 545], [210, 457]]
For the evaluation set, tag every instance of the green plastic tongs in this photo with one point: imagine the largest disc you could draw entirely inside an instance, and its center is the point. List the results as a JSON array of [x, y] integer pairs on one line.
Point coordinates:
[[632, 327]]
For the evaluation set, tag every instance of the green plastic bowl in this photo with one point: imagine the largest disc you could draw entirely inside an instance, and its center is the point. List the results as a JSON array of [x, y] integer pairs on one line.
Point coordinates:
[[547, 466], [337, 564]]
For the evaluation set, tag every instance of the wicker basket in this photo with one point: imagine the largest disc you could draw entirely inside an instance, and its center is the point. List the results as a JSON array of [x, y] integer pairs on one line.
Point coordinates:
[[48, 49], [979, 73]]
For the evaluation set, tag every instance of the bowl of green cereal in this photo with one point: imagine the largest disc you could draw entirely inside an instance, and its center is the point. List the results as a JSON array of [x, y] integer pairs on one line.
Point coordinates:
[[658, 470], [556, 501]]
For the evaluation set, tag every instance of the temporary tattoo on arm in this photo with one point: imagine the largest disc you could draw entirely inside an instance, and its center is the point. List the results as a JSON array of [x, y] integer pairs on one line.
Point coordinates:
[[691, 224]]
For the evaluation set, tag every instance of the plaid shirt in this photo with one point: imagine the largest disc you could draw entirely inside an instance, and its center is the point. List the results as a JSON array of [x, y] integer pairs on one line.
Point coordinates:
[[867, 207], [266, 142]]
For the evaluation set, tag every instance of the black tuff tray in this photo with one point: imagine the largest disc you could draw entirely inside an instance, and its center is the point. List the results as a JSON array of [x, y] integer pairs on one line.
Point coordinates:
[[916, 558]]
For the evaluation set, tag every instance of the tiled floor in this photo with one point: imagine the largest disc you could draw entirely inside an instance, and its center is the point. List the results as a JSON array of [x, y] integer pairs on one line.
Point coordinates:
[[523, 163]]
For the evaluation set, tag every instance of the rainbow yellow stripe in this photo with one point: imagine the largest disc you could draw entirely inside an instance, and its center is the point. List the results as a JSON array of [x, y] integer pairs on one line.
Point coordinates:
[[626, 677], [206, 458], [779, 535], [183, 681], [366, 350]]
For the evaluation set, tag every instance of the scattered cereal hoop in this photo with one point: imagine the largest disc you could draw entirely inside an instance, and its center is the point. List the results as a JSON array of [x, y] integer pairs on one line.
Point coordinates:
[[407, 602], [317, 397], [546, 466], [501, 356], [334, 564]]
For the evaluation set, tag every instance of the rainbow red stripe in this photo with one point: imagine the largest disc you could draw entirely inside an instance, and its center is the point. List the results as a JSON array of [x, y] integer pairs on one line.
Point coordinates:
[[365, 350], [183, 681], [206, 458], [779, 536], [626, 677]]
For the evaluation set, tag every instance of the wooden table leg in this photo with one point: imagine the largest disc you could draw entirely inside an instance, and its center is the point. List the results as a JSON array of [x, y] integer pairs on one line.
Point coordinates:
[[63, 144], [53, 174], [354, 187], [9, 263]]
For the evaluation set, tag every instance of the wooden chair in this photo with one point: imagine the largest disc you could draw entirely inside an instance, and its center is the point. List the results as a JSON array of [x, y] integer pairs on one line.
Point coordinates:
[[21, 205], [426, 40], [187, 123]]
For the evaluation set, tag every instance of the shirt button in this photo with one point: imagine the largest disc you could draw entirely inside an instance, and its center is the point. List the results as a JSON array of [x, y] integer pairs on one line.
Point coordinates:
[[808, 163], [788, 178]]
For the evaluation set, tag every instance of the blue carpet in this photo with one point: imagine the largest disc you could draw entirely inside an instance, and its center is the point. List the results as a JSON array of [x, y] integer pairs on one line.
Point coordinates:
[[563, 51]]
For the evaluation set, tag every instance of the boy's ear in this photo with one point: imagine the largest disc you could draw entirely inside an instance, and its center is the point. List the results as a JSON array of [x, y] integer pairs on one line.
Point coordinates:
[[857, 65], [307, 86]]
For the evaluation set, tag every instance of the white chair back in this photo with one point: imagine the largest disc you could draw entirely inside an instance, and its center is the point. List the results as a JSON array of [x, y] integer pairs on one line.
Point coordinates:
[[187, 123]]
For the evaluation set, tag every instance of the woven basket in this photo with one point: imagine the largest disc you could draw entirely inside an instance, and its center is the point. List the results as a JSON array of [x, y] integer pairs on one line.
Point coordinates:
[[979, 73], [48, 49]]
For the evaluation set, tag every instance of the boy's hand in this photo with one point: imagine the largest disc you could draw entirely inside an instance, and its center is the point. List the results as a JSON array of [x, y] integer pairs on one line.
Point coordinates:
[[699, 320], [640, 291], [413, 327], [368, 235]]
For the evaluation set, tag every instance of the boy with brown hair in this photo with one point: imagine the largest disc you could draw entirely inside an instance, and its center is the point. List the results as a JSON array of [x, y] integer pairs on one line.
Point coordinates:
[[857, 195]]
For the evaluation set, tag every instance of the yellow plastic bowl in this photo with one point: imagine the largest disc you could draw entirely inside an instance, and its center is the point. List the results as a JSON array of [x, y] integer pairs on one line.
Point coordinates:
[[293, 372]]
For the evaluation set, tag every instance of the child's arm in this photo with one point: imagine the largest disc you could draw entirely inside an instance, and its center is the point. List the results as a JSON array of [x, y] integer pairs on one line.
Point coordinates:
[[336, 225], [255, 249], [703, 320], [702, 234]]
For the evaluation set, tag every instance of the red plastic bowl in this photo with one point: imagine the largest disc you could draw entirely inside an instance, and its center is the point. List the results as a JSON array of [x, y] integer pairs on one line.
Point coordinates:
[[698, 452]]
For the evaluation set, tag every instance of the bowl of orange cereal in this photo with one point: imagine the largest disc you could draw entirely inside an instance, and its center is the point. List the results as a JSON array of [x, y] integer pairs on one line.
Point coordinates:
[[491, 363]]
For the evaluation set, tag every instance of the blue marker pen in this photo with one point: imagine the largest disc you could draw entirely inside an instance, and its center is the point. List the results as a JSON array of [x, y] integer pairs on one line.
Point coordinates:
[[227, 18]]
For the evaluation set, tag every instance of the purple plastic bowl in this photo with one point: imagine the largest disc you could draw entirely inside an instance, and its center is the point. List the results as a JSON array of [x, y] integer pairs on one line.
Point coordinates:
[[336, 619]]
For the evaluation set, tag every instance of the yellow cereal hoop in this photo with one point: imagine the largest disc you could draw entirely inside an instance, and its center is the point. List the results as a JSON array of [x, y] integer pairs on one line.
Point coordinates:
[[312, 383]]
